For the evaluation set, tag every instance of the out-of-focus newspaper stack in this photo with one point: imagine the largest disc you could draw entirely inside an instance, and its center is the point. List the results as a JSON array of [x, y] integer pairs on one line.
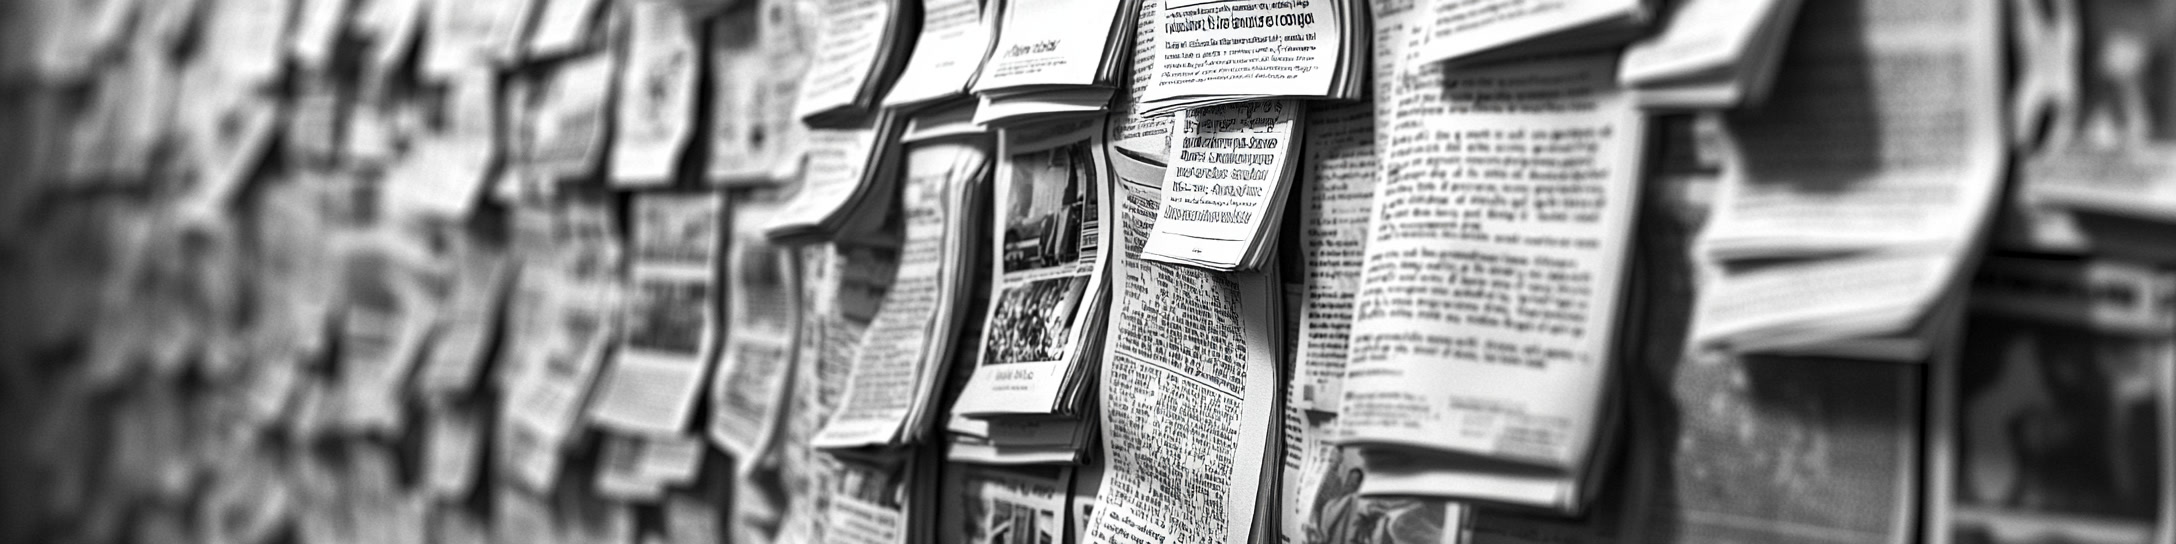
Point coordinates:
[[1484, 348], [849, 176], [1023, 504], [1850, 206], [1211, 53], [1469, 32], [672, 326], [1049, 289], [1710, 54], [860, 47], [2094, 113], [1054, 58], [1190, 434], [892, 389], [2083, 347], [1021, 440], [1224, 196]]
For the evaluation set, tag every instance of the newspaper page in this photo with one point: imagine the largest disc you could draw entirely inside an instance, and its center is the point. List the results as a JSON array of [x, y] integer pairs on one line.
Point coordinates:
[[2105, 157], [671, 325], [381, 334], [1340, 514], [1885, 130], [1005, 505], [903, 351], [851, 42], [1339, 188], [1756, 308], [389, 26], [757, 58], [1224, 193], [655, 107], [241, 38], [1049, 274], [1703, 39], [762, 312], [638, 468], [1188, 415], [1791, 450], [545, 403], [443, 172], [692, 520], [1491, 287], [316, 23], [227, 134], [1320, 501], [773, 488], [955, 38], [2060, 418], [836, 161], [1465, 28], [561, 26], [568, 133], [1247, 48], [452, 452], [788, 481], [466, 35], [868, 500], [469, 325], [1049, 43], [1145, 136]]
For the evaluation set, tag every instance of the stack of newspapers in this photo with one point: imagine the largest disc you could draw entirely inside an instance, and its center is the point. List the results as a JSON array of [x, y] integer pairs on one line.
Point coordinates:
[[1851, 243], [1053, 59], [1465, 32], [955, 37], [1484, 349], [1210, 53], [1049, 288], [862, 45], [892, 389], [1710, 55]]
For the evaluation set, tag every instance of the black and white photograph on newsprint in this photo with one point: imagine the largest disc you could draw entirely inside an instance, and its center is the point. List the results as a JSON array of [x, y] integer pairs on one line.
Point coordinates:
[[1053, 204]]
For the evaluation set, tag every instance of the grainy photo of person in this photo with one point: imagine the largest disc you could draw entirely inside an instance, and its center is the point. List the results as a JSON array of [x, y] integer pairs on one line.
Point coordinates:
[[1052, 199], [1032, 322], [2059, 433], [669, 315]]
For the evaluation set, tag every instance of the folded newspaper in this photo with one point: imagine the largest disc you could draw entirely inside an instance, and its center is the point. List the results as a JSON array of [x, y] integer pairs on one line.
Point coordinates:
[[1053, 59], [1493, 282], [1850, 208], [860, 47], [1210, 53], [2056, 419]]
